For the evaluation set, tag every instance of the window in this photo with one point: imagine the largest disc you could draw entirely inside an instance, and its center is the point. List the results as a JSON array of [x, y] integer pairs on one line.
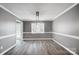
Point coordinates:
[[37, 27]]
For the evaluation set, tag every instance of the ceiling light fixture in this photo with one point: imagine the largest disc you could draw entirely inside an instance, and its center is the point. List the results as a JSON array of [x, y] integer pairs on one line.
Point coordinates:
[[37, 15]]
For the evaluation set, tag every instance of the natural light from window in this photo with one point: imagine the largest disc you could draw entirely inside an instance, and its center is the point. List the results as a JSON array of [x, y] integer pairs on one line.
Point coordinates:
[[37, 27]]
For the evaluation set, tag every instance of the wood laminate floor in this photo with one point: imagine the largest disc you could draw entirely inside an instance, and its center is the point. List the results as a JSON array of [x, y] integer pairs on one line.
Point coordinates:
[[37, 47]]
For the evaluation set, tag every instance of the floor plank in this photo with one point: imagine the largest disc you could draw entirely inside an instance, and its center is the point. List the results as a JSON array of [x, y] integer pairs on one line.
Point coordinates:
[[37, 47]]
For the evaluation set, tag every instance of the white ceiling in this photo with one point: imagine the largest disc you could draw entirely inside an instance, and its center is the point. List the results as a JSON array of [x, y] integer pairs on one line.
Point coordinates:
[[27, 11]]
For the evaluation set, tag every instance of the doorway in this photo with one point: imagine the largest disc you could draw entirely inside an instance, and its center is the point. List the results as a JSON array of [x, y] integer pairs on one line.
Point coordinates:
[[19, 30]]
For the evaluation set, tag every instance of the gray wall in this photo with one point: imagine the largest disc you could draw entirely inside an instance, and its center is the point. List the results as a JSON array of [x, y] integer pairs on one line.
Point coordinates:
[[68, 23], [27, 28], [7, 27], [37, 35]]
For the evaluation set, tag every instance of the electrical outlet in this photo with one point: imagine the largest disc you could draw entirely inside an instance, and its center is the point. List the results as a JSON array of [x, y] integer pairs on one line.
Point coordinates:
[[1, 47]]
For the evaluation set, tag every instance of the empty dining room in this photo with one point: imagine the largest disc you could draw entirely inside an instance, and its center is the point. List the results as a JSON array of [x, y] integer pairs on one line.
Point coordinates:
[[39, 28]]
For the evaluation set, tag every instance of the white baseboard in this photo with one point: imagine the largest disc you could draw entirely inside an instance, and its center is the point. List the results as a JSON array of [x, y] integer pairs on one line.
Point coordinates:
[[65, 47], [8, 49], [35, 33], [37, 39]]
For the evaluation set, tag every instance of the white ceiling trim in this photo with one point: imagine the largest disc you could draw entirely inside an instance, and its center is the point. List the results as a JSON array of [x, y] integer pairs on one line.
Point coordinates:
[[41, 20], [35, 20], [66, 10], [9, 11]]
